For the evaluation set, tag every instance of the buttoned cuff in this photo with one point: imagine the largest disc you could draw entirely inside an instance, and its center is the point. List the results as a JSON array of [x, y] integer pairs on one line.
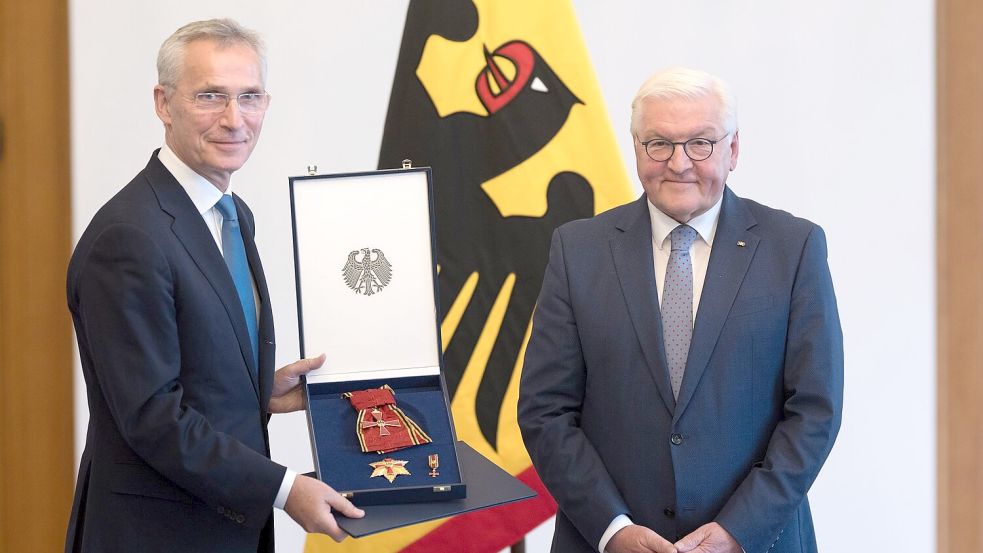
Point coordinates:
[[281, 496], [618, 523]]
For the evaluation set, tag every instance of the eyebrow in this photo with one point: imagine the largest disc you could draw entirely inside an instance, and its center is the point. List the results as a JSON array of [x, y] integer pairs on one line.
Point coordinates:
[[208, 87], [705, 132]]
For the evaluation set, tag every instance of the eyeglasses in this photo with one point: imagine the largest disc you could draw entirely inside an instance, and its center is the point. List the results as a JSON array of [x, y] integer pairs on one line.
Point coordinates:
[[215, 102], [697, 149]]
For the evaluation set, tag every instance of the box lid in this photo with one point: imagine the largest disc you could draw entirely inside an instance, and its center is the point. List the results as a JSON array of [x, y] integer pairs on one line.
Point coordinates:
[[366, 274]]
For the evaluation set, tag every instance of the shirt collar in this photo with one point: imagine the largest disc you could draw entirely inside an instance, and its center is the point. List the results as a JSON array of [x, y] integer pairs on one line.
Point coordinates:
[[705, 224], [202, 192]]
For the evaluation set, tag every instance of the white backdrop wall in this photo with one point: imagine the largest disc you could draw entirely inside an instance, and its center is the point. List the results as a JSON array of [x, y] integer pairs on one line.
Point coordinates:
[[837, 125]]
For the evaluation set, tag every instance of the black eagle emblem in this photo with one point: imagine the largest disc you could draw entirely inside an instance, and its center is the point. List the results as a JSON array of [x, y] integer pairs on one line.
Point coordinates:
[[367, 275], [526, 107]]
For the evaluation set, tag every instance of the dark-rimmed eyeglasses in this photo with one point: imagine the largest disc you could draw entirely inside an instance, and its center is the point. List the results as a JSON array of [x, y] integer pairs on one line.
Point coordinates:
[[697, 149], [215, 102]]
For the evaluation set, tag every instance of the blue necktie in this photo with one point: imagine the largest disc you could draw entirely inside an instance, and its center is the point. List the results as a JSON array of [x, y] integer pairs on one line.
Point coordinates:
[[234, 251], [677, 304]]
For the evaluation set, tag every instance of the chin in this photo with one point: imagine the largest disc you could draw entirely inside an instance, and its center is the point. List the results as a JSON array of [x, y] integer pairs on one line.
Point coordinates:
[[683, 211], [681, 201], [231, 163]]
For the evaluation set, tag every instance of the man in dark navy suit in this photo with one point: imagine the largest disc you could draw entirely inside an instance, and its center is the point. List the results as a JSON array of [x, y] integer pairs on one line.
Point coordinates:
[[175, 331], [683, 383]]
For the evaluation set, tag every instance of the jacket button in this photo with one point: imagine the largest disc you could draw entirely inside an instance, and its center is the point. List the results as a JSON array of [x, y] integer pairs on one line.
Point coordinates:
[[676, 439], [669, 512]]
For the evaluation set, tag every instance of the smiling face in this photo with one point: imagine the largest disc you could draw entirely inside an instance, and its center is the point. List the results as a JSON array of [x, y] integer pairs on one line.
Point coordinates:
[[680, 187], [214, 145]]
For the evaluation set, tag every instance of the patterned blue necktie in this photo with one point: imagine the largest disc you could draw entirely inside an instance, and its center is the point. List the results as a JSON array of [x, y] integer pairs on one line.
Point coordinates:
[[677, 304], [234, 251]]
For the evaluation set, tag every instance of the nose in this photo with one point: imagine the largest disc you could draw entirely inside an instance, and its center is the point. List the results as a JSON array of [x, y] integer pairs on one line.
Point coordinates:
[[679, 162], [232, 115]]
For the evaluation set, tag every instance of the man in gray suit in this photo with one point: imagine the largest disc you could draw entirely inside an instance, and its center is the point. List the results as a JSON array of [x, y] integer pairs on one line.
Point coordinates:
[[683, 383]]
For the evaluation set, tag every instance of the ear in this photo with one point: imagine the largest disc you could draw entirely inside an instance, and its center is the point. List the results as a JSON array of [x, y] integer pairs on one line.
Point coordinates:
[[161, 105], [735, 147]]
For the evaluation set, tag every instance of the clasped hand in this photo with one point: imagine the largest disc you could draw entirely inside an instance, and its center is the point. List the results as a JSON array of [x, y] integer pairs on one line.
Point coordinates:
[[709, 538]]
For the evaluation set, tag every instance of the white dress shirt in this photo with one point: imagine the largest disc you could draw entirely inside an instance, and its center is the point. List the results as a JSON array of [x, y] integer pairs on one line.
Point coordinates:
[[205, 196], [705, 226]]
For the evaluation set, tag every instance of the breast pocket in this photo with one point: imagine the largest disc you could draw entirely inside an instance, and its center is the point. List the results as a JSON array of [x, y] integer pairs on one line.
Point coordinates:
[[747, 306]]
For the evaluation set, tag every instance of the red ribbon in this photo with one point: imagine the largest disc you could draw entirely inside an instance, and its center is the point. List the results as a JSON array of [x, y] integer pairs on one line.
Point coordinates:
[[381, 426]]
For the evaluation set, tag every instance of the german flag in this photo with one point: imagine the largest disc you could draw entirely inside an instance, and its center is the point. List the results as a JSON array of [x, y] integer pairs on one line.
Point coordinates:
[[500, 98]]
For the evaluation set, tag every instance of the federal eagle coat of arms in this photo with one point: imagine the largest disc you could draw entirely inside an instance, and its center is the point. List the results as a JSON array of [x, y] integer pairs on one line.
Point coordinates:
[[369, 274]]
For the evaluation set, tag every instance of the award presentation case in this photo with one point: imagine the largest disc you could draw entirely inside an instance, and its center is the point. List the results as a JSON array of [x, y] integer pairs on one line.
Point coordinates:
[[366, 272], [365, 266]]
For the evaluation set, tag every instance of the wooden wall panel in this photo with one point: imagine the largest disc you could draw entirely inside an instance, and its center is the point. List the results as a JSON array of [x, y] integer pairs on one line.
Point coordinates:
[[36, 444], [959, 88]]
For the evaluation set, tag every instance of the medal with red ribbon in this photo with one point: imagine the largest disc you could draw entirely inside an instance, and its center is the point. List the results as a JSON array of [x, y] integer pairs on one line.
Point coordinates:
[[381, 426]]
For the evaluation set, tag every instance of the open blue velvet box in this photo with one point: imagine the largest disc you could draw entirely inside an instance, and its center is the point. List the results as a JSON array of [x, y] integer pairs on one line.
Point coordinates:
[[366, 267], [344, 467]]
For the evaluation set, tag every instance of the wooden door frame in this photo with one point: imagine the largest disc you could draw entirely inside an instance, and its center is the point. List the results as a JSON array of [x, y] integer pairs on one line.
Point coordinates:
[[959, 244], [36, 368]]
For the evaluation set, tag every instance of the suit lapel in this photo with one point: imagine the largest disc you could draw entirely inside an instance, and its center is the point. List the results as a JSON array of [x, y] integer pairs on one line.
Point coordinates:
[[632, 252], [728, 264], [191, 231]]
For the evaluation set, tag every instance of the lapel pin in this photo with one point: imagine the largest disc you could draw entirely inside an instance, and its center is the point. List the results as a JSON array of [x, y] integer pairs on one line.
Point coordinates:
[[741, 243]]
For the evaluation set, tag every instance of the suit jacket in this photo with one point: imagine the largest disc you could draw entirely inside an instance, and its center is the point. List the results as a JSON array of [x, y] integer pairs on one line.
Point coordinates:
[[177, 451], [760, 401]]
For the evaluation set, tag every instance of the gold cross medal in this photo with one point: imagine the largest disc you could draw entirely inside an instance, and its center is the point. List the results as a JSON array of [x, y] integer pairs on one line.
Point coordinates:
[[389, 468]]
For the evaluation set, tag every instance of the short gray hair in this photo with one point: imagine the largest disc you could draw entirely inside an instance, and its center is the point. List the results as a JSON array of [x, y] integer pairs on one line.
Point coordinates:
[[676, 83], [226, 32]]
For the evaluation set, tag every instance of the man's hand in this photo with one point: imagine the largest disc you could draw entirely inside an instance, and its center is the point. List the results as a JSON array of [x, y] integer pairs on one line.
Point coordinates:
[[638, 539], [310, 503], [287, 395], [709, 538]]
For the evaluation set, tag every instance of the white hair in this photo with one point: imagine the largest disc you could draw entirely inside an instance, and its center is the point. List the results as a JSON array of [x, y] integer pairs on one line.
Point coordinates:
[[225, 32], [675, 83]]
